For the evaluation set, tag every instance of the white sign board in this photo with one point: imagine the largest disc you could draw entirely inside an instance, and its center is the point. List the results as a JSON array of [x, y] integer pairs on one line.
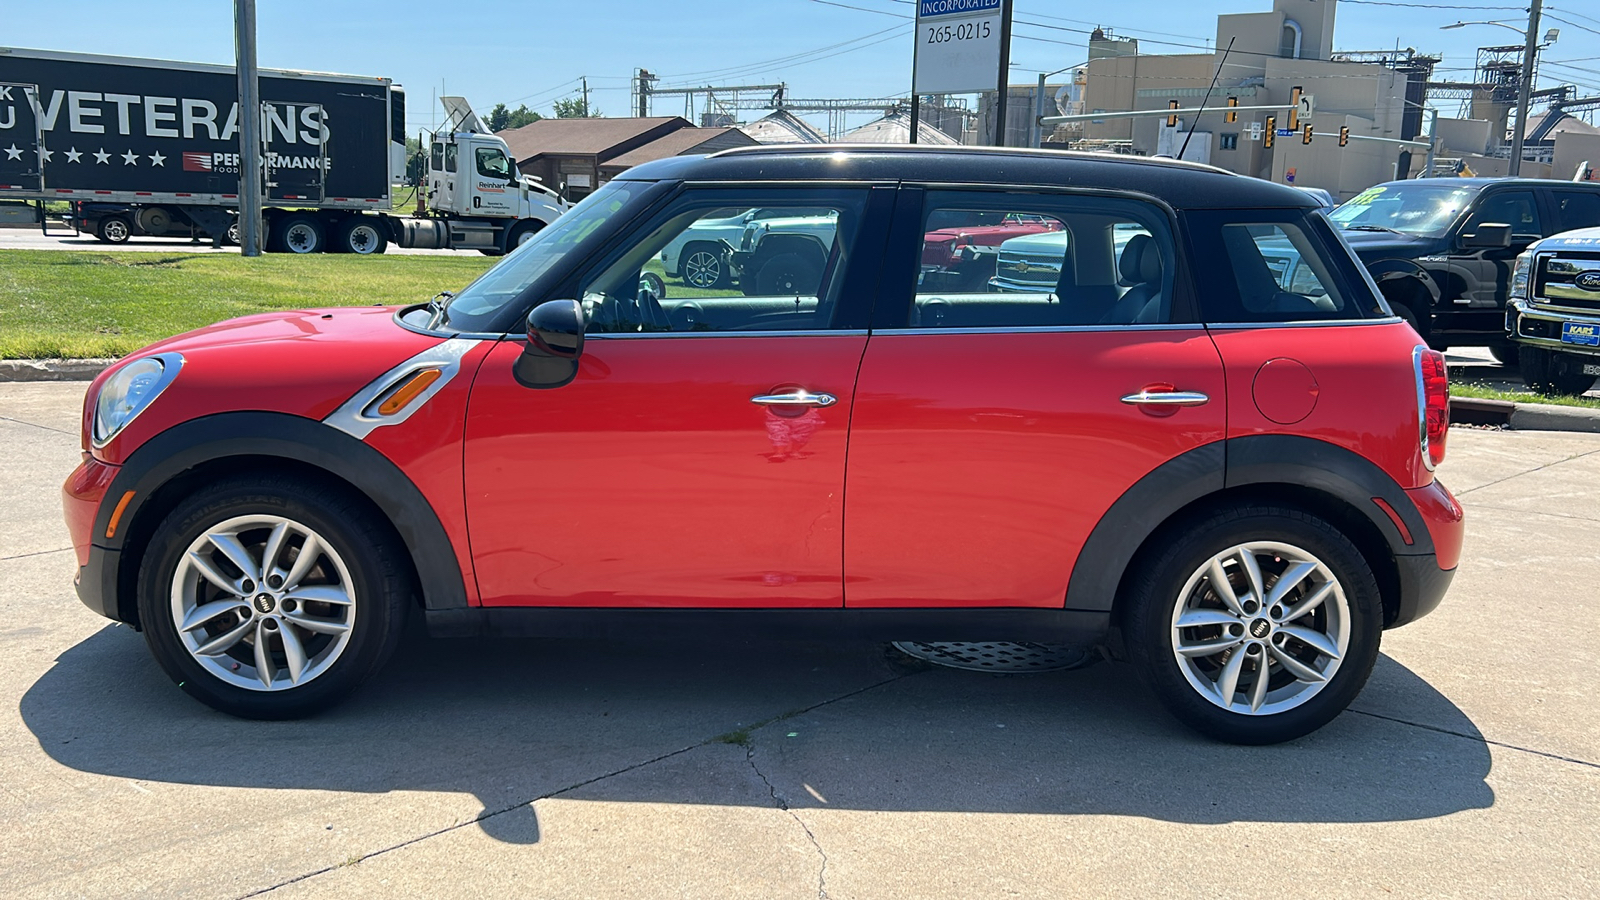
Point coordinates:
[[958, 46]]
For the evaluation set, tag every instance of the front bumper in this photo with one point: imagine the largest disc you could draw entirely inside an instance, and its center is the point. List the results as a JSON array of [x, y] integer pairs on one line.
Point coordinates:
[[1540, 326], [81, 499]]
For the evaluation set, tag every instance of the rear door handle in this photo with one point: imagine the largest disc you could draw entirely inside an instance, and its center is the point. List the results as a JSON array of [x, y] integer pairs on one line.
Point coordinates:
[[794, 398], [1166, 398]]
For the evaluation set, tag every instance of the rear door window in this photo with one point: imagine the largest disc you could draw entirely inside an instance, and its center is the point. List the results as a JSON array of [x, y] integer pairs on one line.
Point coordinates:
[[1275, 266], [1577, 209]]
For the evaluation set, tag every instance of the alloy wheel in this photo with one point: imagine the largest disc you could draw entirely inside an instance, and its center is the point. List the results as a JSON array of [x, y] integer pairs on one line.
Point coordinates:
[[263, 602], [702, 269], [1261, 628]]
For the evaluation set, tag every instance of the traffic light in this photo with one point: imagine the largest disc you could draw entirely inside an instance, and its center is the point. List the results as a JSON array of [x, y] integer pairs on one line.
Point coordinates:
[[1344, 135], [1294, 108], [1305, 134], [1232, 115], [1270, 133], [1172, 120]]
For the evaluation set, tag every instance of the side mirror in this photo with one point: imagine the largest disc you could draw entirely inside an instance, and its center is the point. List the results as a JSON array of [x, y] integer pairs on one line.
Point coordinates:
[[555, 342], [1489, 236]]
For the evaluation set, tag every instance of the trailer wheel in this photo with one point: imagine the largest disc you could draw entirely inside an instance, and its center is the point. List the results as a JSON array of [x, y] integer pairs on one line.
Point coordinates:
[[114, 230], [298, 234], [359, 234]]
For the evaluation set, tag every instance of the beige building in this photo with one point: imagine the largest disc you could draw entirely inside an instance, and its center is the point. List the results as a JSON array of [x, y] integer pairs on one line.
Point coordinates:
[[1272, 54]]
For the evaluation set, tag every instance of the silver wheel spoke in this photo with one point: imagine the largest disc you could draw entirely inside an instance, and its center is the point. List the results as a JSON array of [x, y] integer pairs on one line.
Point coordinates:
[[1316, 640], [1252, 573], [269, 553], [1310, 602], [1199, 618], [264, 670], [212, 574], [1296, 668], [1258, 689], [205, 612], [1228, 681], [236, 554], [1208, 648], [1218, 577], [225, 641], [309, 551], [1290, 579], [293, 654], [320, 593], [321, 626]]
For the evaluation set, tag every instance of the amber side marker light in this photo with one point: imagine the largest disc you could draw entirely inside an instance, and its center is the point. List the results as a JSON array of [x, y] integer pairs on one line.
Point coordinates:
[[408, 391], [116, 514]]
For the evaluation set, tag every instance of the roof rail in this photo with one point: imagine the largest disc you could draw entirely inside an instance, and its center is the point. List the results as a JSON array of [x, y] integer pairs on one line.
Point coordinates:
[[1036, 152]]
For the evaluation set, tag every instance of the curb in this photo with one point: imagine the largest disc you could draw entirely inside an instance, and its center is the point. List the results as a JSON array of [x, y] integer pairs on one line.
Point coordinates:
[[1524, 416], [52, 369]]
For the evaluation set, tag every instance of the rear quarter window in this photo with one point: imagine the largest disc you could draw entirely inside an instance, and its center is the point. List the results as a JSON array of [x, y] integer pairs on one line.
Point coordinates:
[[1275, 265]]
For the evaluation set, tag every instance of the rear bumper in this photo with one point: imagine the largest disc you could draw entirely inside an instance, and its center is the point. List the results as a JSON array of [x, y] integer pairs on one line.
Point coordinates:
[[1425, 577], [1422, 586]]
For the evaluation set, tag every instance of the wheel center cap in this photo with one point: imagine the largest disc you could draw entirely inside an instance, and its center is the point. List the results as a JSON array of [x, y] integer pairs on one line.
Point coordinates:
[[264, 603], [1258, 629]]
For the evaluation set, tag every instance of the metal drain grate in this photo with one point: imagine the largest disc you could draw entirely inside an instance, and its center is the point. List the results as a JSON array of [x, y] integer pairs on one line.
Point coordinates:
[[998, 656]]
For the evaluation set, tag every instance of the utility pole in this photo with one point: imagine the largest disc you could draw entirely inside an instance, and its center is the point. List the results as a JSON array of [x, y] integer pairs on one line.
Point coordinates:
[[250, 173], [1005, 75], [1525, 94], [585, 80]]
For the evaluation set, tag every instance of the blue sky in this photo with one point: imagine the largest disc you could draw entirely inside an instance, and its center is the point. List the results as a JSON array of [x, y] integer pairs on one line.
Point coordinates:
[[532, 51]]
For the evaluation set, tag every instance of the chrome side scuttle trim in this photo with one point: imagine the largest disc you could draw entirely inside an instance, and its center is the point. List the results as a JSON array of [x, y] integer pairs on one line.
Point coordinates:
[[357, 416]]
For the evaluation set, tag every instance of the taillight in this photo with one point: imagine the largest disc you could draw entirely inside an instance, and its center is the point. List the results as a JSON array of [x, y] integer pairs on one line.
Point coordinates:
[[1433, 404]]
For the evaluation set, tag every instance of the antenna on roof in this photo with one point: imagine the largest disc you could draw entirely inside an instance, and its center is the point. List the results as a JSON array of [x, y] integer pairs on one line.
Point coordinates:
[[1203, 100]]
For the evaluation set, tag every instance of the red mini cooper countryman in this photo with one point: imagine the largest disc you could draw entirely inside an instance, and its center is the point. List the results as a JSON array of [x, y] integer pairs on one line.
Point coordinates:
[[1200, 440]]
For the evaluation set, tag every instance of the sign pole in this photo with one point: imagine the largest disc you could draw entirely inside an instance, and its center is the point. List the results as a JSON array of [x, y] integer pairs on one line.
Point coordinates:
[[244, 21], [1003, 92]]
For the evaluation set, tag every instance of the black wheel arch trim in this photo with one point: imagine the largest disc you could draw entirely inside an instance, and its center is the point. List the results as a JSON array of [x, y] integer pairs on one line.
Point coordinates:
[[294, 438], [1384, 271], [1305, 463]]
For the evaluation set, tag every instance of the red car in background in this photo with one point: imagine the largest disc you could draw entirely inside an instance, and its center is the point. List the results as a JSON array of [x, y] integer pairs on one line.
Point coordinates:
[[961, 255], [1177, 453]]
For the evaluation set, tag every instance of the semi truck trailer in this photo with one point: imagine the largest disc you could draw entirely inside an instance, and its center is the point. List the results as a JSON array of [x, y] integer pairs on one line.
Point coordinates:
[[143, 146]]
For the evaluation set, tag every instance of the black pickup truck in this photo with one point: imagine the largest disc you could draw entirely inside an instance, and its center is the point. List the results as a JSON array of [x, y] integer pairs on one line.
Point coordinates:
[[1442, 250]]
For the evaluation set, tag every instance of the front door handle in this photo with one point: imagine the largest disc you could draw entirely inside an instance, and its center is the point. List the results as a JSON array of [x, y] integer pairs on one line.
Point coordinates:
[[1149, 397], [794, 398]]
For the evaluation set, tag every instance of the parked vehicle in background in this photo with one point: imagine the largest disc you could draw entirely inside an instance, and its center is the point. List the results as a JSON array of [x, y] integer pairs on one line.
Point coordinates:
[[1175, 454], [1554, 313], [698, 256], [151, 147], [1441, 249], [1324, 198], [962, 254]]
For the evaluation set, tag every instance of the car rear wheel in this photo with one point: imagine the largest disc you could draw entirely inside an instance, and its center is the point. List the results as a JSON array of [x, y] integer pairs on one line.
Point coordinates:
[[787, 275], [1256, 624], [702, 267], [271, 598]]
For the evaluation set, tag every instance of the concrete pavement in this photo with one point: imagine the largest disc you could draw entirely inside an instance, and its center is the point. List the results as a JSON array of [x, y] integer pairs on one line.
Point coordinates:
[[33, 239], [1469, 767]]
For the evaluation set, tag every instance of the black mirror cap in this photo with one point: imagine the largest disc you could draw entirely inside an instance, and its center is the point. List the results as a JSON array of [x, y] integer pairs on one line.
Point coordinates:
[[1492, 235], [555, 329]]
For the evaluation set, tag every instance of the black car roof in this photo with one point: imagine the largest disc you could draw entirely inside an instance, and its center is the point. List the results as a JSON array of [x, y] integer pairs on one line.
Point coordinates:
[[1483, 181], [1183, 185]]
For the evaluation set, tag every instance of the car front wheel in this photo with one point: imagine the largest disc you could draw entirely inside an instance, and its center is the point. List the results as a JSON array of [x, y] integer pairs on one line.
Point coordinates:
[[271, 598], [1255, 625]]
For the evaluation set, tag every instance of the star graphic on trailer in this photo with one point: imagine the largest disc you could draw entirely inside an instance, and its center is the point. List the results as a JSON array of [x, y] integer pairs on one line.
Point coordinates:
[[44, 155], [158, 160], [13, 153], [130, 159], [73, 155], [101, 156]]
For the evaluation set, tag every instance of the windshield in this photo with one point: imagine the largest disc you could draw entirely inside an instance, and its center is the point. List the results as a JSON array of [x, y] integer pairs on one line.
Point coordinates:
[[1421, 209], [479, 302]]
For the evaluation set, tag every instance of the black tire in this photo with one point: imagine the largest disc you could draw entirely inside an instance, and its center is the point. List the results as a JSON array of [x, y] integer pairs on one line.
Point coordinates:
[[786, 274], [1505, 352], [114, 230], [1549, 372], [369, 554], [362, 235], [651, 283], [523, 232], [298, 233], [1152, 604], [708, 271]]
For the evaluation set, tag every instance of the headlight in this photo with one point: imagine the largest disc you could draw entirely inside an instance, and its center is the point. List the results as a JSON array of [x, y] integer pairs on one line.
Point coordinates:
[[1519, 276], [127, 393]]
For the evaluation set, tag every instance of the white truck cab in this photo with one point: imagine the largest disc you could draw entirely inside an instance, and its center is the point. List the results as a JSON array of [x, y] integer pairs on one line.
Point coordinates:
[[474, 187]]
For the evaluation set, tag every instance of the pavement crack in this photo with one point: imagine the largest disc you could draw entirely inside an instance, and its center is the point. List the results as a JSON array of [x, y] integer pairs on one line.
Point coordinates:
[[1479, 738], [1529, 472], [1535, 512], [489, 814], [782, 803], [34, 553], [37, 425]]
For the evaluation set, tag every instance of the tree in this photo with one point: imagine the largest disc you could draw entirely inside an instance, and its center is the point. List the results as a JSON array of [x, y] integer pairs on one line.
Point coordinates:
[[501, 118], [575, 108], [416, 161]]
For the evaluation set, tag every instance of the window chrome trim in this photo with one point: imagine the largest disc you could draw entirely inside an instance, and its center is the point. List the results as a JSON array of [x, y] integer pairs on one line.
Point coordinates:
[[811, 332], [1305, 323], [1039, 329], [351, 417]]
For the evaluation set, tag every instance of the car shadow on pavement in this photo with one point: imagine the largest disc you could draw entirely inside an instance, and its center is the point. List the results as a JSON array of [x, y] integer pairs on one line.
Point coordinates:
[[849, 726]]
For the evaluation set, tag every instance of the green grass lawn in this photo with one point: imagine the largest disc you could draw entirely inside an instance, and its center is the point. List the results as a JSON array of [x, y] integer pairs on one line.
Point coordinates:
[[1458, 389], [80, 304]]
